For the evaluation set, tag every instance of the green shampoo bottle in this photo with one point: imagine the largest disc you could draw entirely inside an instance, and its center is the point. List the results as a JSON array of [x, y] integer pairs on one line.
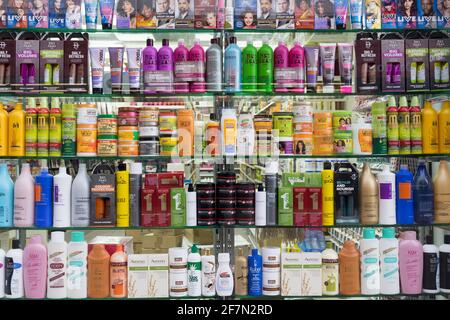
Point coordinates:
[[249, 68], [265, 68]]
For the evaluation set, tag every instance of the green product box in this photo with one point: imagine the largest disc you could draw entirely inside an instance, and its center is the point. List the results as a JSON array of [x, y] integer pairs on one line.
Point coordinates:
[[178, 207], [291, 180], [285, 207], [379, 135], [314, 179]]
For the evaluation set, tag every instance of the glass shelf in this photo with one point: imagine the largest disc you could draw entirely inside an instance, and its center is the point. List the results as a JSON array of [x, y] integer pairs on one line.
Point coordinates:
[[340, 296], [335, 31], [105, 228], [112, 299]]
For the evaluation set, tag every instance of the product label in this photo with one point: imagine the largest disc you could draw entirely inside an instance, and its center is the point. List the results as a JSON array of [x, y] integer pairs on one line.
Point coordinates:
[[57, 272], [158, 80], [189, 71], [330, 276], [404, 189], [430, 269], [385, 191], [444, 270]]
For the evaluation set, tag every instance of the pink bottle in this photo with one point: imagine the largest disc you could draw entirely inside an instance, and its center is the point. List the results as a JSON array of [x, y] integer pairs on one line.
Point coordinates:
[[181, 54], [281, 60], [297, 60], [35, 268], [197, 54], [24, 198], [165, 63], [411, 263], [149, 64]]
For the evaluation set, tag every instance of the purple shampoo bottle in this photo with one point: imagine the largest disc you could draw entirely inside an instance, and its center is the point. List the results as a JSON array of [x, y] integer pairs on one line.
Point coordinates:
[[281, 60], [181, 55], [149, 64], [165, 63], [197, 54], [297, 61]]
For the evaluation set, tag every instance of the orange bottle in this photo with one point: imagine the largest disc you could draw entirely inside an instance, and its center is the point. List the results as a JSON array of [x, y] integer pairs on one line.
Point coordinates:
[[118, 273], [98, 272], [185, 127], [349, 278]]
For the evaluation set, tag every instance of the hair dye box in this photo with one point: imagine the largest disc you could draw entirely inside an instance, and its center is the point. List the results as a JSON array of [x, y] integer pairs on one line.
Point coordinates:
[[184, 14], [304, 14], [427, 14], [417, 65], [57, 14], [38, 15], [17, 14], [7, 60], [158, 275], [443, 18], [245, 14], [165, 14], [125, 20], [439, 63], [266, 14], [406, 17], [368, 62], [27, 63], [324, 14], [393, 65], [76, 63], [286, 14], [146, 14], [73, 15], [3, 15], [372, 14], [103, 196], [388, 14], [205, 14], [52, 62]]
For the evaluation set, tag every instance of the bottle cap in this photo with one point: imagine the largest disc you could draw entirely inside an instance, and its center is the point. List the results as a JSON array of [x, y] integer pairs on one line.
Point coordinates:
[[391, 102], [31, 103], [327, 165], [369, 233], [429, 240], [409, 235], [281, 43], [63, 170], [386, 168], [260, 187], [194, 248], [403, 167], [149, 42], [36, 239], [191, 187], [388, 233], [232, 39], [122, 167], [57, 236], [15, 244], [224, 257], [119, 248], [213, 41], [181, 42], [447, 239], [250, 43], [254, 252], [165, 42], [136, 168], [77, 236], [272, 167], [403, 102], [44, 169], [415, 101], [206, 252]]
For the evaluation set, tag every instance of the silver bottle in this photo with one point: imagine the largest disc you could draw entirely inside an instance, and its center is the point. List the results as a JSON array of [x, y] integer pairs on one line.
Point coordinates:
[[271, 182], [135, 193], [214, 66]]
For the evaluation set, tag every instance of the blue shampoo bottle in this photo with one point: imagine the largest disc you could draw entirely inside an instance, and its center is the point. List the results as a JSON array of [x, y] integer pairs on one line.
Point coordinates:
[[423, 195], [254, 274], [6, 197], [404, 195], [233, 58], [44, 199]]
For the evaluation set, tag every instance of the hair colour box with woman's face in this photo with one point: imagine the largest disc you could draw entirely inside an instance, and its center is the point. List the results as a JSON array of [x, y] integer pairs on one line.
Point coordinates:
[[38, 17], [267, 14], [146, 14], [304, 14], [324, 14], [165, 14], [443, 14], [57, 14], [373, 14], [285, 14], [205, 14], [184, 14], [426, 14], [245, 14], [17, 14], [3, 13], [126, 14], [406, 14], [388, 14]]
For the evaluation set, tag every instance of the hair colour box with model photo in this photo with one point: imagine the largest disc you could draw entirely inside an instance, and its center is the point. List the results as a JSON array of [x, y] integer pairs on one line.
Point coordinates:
[[439, 45], [52, 62], [417, 65], [324, 14], [184, 14], [392, 63], [205, 14], [126, 14], [27, 62], [165, 14], [304, 14], [406, 14], [17, 14], [3, 17], [286, 14], [38, 17], [245, 12], [388, 14], [146, 14], [7, 60], [73, 14], [56, 14], [76, 63], [267, 14], [368, 62], [373, 14], [427, 14], [443, 14]]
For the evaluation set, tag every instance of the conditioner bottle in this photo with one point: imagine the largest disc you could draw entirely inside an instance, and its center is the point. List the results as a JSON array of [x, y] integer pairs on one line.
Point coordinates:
[[57, 266], [389, 272], [441, 186], [240, 274], [368, 196], [430, 266]]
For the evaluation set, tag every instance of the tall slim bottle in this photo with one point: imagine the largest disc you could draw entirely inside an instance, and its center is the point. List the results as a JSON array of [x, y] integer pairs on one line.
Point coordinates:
[[411, 263], [43, 199], [24, 198], [265, 68], [404, 126], [6, 197], [416, 126], [55, 125], [80, 201], [423, 195], [135, 193], [62, 189], [404, 196], [123, 196], [214, 67], [3, 131], [31, 130], [327, 195], [444, 128], [392, 127], [297, 61], [271, 182], [368, 196], [249, 67], [430, 131], [43, 128], [232, 67], [119, 273], [389, 270], [441, 185], [165, 63], [281, 60], [180, 56], [149, 64], [16, 132], [197, 54]]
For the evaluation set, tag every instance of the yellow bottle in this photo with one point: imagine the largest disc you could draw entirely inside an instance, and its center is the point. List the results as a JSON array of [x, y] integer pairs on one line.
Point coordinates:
[[16, 132], [3, 131], [444, 128], [430, 133], [123, 196], [327, 195]]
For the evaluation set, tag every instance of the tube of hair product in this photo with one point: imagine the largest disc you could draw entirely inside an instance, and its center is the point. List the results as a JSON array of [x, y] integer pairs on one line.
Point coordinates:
[[134, 69], [389, 72], [31, 74], [364, 72], [116, 63], [346, 66], [437, 71], [55, 70], [80, 73], [312, 66], [420, 72], [340, 8], [373, 73], [356, 13], [397, 74], [413, 72], [328, 56], [48, 74], [106, 12], [97, 66], [72, 73], [445, 76], [2, 73], [91, 13]]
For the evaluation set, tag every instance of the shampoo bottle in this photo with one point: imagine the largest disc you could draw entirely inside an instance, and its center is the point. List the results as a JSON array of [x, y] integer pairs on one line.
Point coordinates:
[[229, 132], [57, 266], [241, 274], [31, 130], [260, 206], [43, 199], [368, 196], [2, 273], [404, 196], [208, 274], [35, 268], [77, 251], [281, 61], [55, 126], [6, 197], [232, 67], [404, 126], [62, 189], [411, 263], [165, 63], [119, 273], [14, 271], [135, 193], [123, 196], [416, 126], [327, 194], [180, 56], [430, 266], [349, 280], [197, 54], [214, 67], [191, 206], [249, 67], [245, 135], [16, 132], [430, 131], [441, 186], [330, 272], [81, 194], [265, 68], [224, 277], [370, 263], [149, 64], [271, 183], [3, 131], [98, 275], [386, 182], [255, 284], [392, 127], [24, 198], [389, 272], [444, 128], [194, 265], [444, 265], [297, 61], [423, 195]]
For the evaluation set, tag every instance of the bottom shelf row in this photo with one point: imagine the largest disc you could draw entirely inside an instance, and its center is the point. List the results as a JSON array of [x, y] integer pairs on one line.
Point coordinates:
[[105, 268]]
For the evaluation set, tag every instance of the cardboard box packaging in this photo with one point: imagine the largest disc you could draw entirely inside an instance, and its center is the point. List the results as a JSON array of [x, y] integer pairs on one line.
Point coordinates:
[[8, 59], [158, 275], [393, 65], [245, 14], [27, 63], [266, 14], [311, 273], [103, 196], [285, 207], [205, 14], [52, 62], [291, 273], [178, 207], [17, 17], [417, 65], [184, 14], [304, 15], [368, 62], [439, 63], [76, 63], [138, 276], [165, 14]]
